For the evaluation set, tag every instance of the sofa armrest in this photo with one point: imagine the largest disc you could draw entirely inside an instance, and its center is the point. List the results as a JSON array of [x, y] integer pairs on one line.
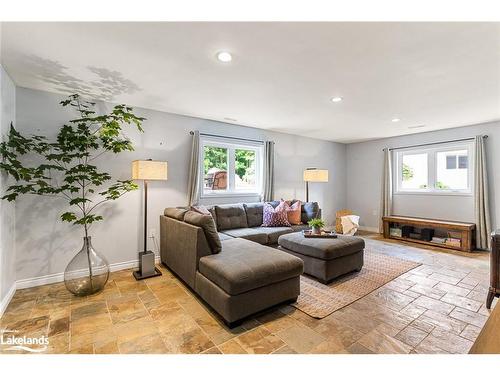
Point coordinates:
[[181, 247]]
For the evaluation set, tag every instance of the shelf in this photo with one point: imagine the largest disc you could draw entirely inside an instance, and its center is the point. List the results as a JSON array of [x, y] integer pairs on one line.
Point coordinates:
[[463, 231], [428, 243]]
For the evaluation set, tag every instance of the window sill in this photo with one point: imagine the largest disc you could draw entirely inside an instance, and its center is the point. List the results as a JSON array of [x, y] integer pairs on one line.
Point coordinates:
[[435, 193], [230, 195]]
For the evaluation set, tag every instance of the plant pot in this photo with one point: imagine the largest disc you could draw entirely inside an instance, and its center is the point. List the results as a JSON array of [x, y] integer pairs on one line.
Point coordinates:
[[88, 272], [315, 230]]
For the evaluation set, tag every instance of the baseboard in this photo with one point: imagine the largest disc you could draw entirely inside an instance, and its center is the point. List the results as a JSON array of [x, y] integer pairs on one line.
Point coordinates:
[[6, 300], [369, 229], [58, 277]]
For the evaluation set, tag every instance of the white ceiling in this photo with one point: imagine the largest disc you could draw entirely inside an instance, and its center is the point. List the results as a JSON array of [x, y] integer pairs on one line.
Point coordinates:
[[282, 76]]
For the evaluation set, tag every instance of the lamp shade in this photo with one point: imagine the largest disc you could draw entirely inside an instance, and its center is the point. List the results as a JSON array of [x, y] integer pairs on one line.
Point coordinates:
[[316, 175], [149, 170]]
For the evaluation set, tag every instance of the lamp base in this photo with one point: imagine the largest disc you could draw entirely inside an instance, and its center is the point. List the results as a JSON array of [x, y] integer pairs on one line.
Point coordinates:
[[147, 267], [139, 276]]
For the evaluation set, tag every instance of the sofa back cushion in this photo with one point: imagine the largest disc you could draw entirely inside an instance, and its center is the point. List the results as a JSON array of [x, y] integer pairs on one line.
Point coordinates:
[[275, 217], [231, 216], [207, 223], [175, 213], [254, 213]]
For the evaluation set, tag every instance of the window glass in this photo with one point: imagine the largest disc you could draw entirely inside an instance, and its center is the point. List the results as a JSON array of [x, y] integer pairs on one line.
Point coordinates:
[[245, 173], [451, 161], [414, 174], [451, 178], [230, 168], [463, 161], [215, 167]]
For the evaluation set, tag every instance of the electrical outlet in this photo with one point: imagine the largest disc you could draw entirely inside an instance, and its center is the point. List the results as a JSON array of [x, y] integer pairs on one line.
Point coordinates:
[[152, 232]]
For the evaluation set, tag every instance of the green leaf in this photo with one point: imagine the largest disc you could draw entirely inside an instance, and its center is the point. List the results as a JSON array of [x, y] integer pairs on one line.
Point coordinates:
[[68, 216]]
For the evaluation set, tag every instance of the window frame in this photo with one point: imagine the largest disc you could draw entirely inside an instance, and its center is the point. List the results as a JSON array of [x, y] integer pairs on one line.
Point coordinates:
[[431, 152], [232, 146]]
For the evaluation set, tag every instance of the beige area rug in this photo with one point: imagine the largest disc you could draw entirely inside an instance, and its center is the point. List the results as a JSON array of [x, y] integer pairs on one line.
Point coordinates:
[[319, 300]]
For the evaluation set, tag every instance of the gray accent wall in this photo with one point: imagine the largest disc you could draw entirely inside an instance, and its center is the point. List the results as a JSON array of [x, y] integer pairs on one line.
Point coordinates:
[[7, 213], [44, 245], [364, 174]]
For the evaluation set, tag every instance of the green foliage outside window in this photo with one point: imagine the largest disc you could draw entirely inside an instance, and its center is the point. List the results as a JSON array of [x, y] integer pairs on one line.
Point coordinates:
[[245, 161], [215, 157], [407, 172], [440, 185]]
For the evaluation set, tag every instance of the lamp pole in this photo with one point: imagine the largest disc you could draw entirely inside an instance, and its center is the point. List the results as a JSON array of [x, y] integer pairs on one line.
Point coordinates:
[[145, 216]]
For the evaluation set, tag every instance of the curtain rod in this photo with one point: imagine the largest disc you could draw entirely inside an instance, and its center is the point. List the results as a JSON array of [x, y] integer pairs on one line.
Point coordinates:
[[227, 137], [436, 143]]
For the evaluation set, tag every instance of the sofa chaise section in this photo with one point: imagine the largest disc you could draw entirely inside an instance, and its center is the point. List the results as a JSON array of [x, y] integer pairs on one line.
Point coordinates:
[[245, 277]]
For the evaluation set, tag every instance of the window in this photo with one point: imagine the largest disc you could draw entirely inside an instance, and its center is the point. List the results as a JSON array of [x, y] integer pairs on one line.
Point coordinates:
[[231, 168], [434, 170]]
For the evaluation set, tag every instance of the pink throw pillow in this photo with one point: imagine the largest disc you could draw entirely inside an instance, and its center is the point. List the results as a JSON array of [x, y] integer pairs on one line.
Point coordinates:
[[275, 217], [293, 212]]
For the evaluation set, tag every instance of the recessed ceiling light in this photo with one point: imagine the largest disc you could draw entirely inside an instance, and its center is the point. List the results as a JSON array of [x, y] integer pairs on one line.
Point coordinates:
[[224, 56], [396, 119], [337, 99]]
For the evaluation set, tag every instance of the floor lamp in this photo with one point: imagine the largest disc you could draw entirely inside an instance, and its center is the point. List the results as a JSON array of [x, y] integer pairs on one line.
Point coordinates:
[[314, 175], [147, 170]]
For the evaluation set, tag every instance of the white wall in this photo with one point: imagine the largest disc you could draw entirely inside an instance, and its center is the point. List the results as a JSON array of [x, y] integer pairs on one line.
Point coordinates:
[[44, 245], [7, 251], [364, 166]]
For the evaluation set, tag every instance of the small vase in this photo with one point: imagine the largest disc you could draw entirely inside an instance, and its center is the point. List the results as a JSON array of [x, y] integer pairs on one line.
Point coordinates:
[[316, 230], [88, 271]]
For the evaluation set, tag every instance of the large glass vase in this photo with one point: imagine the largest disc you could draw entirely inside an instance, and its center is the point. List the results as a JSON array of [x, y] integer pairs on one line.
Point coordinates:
[[88, 272]]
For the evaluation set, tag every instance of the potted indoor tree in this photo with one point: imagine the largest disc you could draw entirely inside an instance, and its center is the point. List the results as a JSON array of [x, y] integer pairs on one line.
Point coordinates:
[[316, 225], [65, 168]]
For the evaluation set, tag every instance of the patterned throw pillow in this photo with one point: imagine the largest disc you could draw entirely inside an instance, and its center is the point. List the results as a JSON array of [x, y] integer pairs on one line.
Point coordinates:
[[293, 212], [275, 217]]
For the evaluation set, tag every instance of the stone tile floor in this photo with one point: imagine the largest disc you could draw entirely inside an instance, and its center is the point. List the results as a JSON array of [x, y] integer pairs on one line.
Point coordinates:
[[437, 307]]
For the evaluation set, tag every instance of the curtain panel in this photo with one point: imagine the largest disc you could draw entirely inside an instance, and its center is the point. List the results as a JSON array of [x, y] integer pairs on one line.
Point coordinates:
[[194, 171], [386, 198], [481, 198], [268, 175]]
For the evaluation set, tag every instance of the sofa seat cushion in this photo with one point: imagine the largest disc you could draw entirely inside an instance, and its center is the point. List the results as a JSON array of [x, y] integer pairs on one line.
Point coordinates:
[[273, 233], [244, 265], [224, 237], [322, 248], [251, 234], [230, 216]]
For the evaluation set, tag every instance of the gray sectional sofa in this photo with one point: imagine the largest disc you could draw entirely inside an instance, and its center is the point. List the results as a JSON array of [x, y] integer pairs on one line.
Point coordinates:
[[229, 261]]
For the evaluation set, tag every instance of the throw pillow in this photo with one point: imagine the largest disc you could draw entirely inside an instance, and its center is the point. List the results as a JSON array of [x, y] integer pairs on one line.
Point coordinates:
[[207, 223], [175, 213], [200, 209], [293, 212], [275, 217]]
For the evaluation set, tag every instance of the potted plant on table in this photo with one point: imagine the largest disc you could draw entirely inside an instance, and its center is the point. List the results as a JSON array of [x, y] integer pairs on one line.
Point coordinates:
[[65, 168], [316, 225]]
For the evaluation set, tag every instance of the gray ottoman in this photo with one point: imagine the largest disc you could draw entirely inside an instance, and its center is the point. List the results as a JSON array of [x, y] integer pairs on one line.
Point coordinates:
[[325, 258]]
